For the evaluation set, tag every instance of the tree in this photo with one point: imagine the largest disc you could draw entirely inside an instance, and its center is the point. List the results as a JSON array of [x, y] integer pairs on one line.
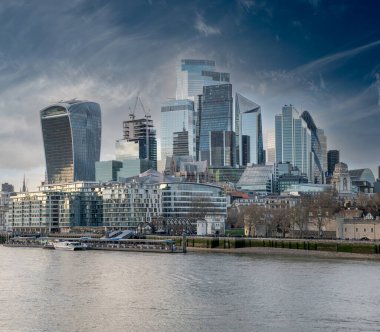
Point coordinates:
[[362, 200], [233, 216], [281, 220], [299, 215], [253, 215], [374, 204], [323, 206]]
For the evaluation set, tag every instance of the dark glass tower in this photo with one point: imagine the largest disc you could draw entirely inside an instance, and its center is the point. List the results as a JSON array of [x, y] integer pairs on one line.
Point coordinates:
[[181, 143], [216, 115], [222, 148], [71, 133], [332, 160]]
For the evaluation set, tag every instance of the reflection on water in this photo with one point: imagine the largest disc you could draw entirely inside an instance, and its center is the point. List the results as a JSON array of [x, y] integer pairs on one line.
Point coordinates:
[[47, 290]]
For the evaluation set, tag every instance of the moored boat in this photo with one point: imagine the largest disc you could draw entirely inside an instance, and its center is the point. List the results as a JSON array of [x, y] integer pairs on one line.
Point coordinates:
[[70, 245]]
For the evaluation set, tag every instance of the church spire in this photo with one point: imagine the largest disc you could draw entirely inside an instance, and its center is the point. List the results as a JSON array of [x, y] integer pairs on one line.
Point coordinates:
[[24, 189]]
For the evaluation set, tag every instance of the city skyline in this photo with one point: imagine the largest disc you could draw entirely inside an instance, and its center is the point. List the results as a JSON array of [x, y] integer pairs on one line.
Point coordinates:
[[318, 56]]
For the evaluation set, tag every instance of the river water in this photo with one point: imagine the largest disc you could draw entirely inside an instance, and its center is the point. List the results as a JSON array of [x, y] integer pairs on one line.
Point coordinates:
[[51, 290]]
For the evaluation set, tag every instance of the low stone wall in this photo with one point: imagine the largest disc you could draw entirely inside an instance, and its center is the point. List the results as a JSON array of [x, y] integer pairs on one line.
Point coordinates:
[[319, 245]]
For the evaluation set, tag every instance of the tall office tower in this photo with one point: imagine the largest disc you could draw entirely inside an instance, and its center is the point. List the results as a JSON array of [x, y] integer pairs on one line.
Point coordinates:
[[216, 115], [222, 148], [138, 135], [323, 141], [176, 116], [181, 143], [271, 147], [71, 133], [332, 160], [318, 147], [193, 75], [248, 124], [293, 140]]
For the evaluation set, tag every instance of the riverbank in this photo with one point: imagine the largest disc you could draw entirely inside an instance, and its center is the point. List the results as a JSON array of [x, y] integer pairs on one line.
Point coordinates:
[[299, 247], [286, 252]]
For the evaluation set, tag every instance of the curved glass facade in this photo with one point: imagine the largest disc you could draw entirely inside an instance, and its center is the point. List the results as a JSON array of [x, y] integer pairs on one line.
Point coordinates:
[[316, 146], [72, 137], [248, 129], [363, 174], [191, 200]]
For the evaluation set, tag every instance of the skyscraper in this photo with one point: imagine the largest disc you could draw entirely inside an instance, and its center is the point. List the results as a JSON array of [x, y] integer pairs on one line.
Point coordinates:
[[293, 140], [271, 146], [181, 143], [142, 132], [248, 124], [222, 148], [71, 133], [176, 116], [194, 74], [323, 141], [139, 141], [216, 115], [332, 160], [318, 147]]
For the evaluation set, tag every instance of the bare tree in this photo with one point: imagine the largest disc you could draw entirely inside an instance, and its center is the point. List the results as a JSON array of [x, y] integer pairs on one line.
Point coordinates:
[[281, 219], [362, 200], [374, 204], [323, 206], [232, 216], [299, 215], [253, 215]]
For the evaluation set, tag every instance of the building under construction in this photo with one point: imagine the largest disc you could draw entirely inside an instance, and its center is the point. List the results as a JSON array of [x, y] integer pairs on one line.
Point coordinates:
[[142, 132]]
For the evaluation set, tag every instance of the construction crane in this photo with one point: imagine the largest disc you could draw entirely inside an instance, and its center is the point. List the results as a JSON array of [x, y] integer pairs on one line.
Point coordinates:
[[147, 116]]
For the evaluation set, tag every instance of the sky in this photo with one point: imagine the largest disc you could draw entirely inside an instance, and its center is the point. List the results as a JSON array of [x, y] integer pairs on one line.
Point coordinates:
[[318, 55]]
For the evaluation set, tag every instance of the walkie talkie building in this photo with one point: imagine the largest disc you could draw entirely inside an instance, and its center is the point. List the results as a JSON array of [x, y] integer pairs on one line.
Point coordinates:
[[71, 133]]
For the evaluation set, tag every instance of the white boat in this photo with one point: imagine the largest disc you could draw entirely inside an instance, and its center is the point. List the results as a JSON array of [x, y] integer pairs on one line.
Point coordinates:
[[70, 245]]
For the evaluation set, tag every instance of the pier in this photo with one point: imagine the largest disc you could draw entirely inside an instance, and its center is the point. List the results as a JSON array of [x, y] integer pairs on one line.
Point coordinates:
[[135, 245]]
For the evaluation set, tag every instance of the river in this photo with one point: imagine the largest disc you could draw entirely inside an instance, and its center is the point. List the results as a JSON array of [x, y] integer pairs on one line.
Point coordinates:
[[51, 290]]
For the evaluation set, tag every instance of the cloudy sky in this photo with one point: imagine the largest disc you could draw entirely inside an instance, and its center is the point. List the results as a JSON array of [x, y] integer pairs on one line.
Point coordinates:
[[319, 55]]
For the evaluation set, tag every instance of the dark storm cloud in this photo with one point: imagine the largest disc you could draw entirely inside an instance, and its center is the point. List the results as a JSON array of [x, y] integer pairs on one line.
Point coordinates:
[[318, 55]]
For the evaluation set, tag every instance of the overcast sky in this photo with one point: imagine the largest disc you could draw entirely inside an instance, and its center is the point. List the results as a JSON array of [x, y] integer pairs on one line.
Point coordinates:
[[323, 56]]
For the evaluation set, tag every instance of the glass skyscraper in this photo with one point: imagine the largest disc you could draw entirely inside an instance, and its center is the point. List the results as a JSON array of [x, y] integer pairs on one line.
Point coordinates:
[[216, 115], [293, 140], [222, 148], [248, 130], [271, 146], [177, 116], [318, 147], [71, 133], [332, 160], [193, 75], [181, 143]]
